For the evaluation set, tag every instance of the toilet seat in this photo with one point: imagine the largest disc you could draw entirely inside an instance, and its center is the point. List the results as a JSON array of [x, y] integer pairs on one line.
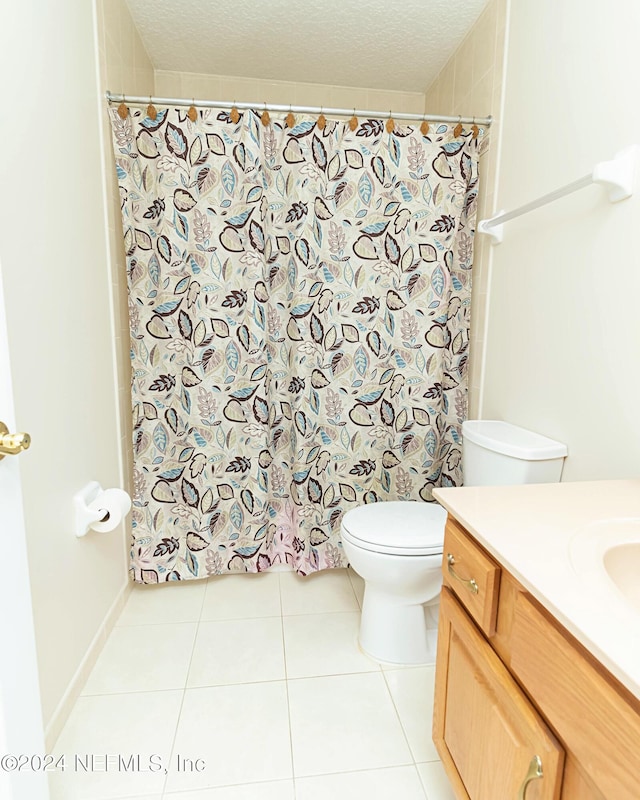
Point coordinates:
[[403, 528]]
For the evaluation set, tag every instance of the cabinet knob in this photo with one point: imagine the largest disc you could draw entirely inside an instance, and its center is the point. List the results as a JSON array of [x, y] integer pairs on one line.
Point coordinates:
[[535, 771], [471, 584]]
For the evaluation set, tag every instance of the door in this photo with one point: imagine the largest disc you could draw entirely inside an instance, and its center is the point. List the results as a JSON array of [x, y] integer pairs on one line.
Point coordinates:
[[21, 731], [490, 738]]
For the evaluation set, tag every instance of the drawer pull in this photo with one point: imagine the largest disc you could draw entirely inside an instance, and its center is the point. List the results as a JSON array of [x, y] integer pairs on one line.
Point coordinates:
[[471, 585], [535, 771]]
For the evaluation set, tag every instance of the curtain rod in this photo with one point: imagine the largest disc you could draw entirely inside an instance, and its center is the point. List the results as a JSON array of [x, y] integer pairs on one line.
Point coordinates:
[[335, 112]]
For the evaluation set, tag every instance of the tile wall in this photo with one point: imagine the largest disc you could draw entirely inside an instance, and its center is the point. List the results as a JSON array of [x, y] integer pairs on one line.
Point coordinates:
[[124, 67], [248, 90], [471, 82]]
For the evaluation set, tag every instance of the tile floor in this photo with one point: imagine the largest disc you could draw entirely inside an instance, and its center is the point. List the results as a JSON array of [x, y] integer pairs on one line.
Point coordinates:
[[249, 687]]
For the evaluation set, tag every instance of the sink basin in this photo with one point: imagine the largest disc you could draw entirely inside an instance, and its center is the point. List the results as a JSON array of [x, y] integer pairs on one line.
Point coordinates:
[[622, 563], [607, 554]]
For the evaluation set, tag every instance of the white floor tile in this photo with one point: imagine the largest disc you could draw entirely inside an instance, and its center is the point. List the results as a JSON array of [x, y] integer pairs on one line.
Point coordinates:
[[318, 593], [143, 658], [358, 585], [274, 790], [344, 722], [241, 733], [176, 601], [242, 596], [435, 781], [378, 784], [119, 725], [324, 644], [237, 651], [412, 692]]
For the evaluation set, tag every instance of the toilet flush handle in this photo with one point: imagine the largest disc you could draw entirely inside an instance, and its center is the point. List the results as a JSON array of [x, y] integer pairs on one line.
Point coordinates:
[[471, 584]]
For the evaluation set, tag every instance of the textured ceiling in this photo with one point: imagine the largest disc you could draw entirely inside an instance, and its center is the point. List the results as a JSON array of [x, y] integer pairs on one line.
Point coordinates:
[[378, 44]]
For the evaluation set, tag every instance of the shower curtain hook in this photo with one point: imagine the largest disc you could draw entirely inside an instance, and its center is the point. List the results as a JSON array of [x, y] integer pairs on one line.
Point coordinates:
[[391, 124], [290, 120], [151, 111]]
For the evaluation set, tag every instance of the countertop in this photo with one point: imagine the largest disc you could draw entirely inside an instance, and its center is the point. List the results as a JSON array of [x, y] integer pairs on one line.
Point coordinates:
[[529, 529]]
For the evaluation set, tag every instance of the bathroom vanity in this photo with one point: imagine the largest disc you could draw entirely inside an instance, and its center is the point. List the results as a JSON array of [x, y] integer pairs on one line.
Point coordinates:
[[538, 668]]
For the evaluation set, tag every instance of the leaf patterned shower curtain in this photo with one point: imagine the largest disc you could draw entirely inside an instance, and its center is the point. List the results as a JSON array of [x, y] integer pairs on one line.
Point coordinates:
[[299, 309]]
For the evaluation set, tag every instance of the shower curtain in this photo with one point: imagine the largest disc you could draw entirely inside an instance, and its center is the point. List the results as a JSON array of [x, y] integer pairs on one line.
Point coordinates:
[[299, 305]]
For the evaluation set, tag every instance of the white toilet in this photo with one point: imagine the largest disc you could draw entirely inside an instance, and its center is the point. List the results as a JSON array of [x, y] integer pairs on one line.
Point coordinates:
[[396, 547]]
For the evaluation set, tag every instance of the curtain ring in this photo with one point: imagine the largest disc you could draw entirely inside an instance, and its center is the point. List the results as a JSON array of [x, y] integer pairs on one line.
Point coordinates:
[[391, 125]]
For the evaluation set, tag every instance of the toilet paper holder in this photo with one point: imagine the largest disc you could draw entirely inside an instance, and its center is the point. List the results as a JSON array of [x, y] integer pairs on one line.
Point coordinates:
[[92, 516]]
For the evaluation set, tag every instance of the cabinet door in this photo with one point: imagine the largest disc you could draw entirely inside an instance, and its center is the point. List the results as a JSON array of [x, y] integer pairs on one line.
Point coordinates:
[[486, 731]]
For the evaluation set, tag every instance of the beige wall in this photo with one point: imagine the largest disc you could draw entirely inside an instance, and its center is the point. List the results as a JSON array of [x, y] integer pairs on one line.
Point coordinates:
[[564, 327], [57, 289], [471, 84], [225, 87]]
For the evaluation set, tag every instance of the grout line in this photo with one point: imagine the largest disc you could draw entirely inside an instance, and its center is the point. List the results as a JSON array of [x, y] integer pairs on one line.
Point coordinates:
[[198, 792], [204, 597], [397, 710], [184, 693], [132, 691], [156, 624], [424, 788], [286, 686]]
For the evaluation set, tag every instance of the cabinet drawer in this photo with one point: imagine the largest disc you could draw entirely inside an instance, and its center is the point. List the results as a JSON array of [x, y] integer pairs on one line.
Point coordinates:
[[473, 576]]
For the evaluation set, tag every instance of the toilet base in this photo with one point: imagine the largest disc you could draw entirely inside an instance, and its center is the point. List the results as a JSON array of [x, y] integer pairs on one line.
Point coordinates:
[[397, 633]]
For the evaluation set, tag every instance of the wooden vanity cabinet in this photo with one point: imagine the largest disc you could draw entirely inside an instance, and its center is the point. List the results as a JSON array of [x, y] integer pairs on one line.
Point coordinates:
[[484, 726], [517, 695]]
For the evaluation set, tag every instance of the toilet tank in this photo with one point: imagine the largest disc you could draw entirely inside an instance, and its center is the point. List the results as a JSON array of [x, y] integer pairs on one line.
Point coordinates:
[[496, 453]]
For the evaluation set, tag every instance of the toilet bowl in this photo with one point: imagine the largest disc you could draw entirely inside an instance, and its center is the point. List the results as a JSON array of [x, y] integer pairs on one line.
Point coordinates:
[[396, 546]]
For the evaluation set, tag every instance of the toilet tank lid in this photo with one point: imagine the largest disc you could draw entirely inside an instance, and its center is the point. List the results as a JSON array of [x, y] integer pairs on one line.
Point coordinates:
[[510, 440]]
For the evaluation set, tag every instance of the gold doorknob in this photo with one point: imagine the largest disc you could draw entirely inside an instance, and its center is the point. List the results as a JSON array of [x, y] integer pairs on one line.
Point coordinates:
[[11, 444]]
